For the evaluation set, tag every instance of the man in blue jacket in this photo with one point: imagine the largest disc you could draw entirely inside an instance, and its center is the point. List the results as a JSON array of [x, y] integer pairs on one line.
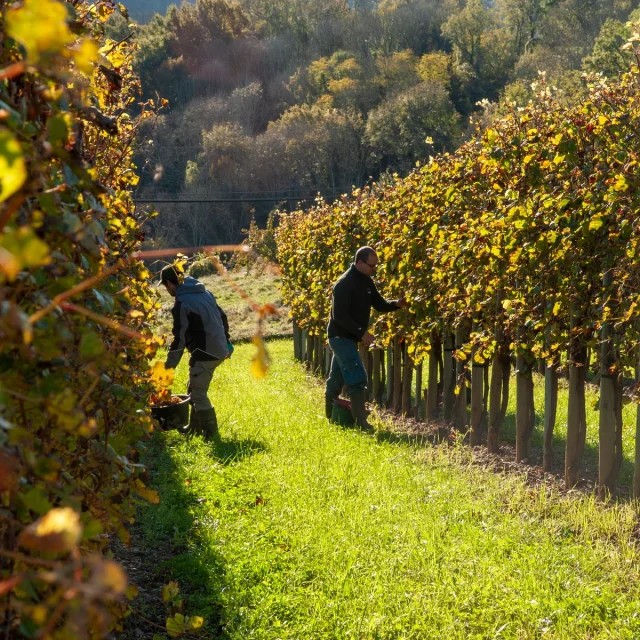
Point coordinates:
[[200, 326], [354, 294]]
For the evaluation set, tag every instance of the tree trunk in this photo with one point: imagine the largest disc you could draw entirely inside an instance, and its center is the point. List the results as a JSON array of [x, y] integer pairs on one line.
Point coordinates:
[[296, 341], [407, 379], [525, 412], [610, 429], [389, 385], [499, 389], [576, 414], [636, 469], [375, 379], [550, 410], [418, 411], [432, 383], [460, 406], [477, 395], [397, 374], [308, 355], [383, 377], [317, 354], [449, 377]]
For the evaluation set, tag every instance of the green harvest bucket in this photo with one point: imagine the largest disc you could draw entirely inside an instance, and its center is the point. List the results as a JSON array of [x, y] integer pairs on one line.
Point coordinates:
[[341, 413]]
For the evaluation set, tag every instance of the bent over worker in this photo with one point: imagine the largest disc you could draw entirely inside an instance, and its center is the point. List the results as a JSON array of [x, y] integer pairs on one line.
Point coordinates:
[[200, 326], [353, 295]]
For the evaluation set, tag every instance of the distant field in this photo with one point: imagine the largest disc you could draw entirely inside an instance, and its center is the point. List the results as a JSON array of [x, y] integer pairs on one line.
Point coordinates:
[[261, 288]]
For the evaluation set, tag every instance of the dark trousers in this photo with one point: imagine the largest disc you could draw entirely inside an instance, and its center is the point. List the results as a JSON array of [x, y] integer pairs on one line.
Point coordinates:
[[346, 368]]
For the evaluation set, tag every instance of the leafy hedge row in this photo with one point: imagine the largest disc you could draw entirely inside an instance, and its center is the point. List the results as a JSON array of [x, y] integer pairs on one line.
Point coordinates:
[[74, 318]]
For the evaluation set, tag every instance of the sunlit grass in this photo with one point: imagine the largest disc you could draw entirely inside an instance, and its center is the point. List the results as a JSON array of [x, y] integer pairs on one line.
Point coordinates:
[[296, 528]]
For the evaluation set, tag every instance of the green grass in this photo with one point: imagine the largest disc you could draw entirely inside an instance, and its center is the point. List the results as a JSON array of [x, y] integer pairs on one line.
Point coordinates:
[[295, 528], [261, 288]]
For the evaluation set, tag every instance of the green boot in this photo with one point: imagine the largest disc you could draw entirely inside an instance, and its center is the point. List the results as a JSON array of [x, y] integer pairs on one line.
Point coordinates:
[[359, 411], [208, 424], [328, 405]]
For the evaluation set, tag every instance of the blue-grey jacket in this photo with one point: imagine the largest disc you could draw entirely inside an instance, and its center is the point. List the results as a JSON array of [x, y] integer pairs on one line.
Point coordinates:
[[199, 324]]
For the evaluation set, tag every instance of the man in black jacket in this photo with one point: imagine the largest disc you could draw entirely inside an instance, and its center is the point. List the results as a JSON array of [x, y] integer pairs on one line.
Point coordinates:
[[353, 296], [200, 326]]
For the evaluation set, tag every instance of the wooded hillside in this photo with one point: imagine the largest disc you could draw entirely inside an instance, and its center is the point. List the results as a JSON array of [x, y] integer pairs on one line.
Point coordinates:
[[308, 95]]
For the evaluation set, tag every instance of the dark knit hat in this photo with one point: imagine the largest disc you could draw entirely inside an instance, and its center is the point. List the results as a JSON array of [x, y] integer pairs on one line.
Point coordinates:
[[169, 274]]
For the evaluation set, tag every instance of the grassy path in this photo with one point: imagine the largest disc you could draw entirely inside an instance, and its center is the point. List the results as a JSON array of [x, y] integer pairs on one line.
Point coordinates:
[[295, 528]]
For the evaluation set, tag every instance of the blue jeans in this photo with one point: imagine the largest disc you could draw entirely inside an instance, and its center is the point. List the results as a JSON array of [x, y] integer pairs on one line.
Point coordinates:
[[346, 368]]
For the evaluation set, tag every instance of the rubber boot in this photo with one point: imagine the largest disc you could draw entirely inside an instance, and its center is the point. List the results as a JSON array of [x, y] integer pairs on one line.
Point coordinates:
[[193, 428], [359, 411], [328, 406], [208, 424]]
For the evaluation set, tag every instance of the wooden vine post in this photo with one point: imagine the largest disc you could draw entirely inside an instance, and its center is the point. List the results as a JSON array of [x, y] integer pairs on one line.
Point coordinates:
[[397, 375], [376, 377], [460, 405], [432, 384], [525, 411], [610, 427], [449, 381], [500, 374], [576, 414], [407, 379], [477, 393]]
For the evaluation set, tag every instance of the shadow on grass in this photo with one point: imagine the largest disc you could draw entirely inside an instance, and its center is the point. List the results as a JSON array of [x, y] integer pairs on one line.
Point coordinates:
[[176, 533], [438, 432]]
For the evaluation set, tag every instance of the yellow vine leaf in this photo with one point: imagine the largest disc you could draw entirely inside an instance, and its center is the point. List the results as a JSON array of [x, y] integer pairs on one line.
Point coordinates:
[[86, 55], [20, 249], [260, 361], [148, 494], [40, 26], [58, 531], [161, 376], [13, 172], [110, 576]]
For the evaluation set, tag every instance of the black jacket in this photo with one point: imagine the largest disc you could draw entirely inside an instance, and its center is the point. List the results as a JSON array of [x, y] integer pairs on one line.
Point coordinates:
[[199, 324], [353, 296]]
